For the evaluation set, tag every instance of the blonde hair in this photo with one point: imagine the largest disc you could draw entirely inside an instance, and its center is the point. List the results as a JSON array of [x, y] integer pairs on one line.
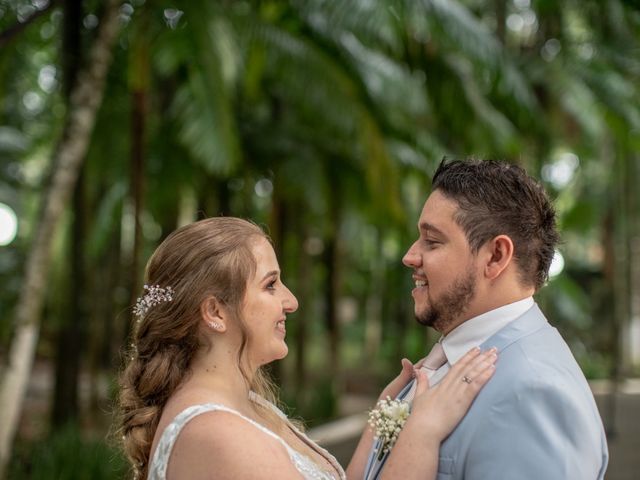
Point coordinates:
[[211, 257]]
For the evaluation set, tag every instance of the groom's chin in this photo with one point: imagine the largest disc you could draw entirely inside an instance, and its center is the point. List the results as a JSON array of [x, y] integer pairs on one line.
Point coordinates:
[[426, 318], [432, 319]]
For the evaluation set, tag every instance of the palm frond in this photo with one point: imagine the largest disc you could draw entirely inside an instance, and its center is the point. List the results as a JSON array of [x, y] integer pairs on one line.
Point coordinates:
[[374, 23], [397, 93], [493, 122], [205, 51], [451, 27]]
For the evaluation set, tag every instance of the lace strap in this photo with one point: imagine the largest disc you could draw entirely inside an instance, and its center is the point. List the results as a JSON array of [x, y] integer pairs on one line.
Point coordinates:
[[301, 435], [161, 456]]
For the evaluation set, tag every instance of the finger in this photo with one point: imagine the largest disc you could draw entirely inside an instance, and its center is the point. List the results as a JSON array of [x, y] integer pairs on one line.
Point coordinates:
[[472, 358], [472, 388], [486, 363], [468, 357], [460, 366], [407, 368], [422, 382], [406, 371], [406, 374], [484, 376], [469, 368], [404, 377]]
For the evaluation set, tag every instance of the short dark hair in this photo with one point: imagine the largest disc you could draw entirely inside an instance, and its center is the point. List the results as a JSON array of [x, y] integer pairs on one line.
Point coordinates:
[[499, 198]]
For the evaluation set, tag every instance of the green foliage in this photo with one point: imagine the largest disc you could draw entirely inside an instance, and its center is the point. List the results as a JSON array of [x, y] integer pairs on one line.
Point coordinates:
[[67, 455], [316, 405], [594, 365]]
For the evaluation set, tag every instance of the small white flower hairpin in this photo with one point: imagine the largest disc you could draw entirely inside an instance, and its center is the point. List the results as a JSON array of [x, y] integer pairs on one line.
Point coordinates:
[[387, 420], [155, 295]]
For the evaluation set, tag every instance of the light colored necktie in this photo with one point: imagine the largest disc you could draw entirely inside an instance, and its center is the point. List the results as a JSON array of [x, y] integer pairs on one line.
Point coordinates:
[[431, 363]]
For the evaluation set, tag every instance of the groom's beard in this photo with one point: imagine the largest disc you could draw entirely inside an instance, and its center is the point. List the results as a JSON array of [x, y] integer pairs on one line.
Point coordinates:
[[443, 312]]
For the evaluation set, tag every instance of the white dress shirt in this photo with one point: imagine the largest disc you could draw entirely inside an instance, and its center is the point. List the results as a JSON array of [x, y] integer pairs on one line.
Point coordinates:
[[476, 331]]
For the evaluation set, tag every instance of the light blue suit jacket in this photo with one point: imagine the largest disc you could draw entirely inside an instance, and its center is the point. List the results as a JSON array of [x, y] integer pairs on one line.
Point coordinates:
[[536, 419]]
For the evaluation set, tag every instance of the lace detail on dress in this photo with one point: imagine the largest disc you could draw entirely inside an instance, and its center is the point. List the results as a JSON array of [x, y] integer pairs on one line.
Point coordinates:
[[305, 465]]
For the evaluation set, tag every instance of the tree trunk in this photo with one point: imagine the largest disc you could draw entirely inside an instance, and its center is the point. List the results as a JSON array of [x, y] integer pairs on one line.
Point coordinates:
[[634, 259], [139, 85], [373, 306], [65, 397], [102, 325], [622, 235], [68, 157], [70, 335], [138, 101], [501, 20], [304, 283], [331, 260]]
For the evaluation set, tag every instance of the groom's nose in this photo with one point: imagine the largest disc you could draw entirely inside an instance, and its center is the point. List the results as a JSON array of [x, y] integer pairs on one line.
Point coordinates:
[[411, 259]]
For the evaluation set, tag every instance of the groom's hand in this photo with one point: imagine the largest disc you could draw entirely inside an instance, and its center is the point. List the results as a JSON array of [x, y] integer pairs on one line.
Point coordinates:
[[397, 384]]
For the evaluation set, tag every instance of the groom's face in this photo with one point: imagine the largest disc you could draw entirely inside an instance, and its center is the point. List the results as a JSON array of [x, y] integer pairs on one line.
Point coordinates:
[[444, 267]]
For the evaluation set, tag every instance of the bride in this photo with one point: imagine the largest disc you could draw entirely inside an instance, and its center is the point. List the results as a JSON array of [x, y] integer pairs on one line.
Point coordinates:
[[194, 400]]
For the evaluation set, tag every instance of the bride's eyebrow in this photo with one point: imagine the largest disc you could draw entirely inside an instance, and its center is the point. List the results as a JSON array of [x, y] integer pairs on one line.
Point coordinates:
[[272, 273]]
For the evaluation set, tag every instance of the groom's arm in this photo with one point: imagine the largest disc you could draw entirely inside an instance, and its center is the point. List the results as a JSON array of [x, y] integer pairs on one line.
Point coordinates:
[[543, 431]]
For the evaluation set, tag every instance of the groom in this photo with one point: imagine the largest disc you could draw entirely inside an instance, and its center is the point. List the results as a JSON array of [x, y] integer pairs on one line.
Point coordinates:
[[486, 239]]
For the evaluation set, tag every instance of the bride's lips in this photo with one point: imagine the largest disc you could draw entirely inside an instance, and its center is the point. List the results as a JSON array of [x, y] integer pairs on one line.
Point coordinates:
[[280, 326]]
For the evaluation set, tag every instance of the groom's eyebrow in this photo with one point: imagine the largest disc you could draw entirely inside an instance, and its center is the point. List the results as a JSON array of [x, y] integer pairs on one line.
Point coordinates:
[[429, 228]]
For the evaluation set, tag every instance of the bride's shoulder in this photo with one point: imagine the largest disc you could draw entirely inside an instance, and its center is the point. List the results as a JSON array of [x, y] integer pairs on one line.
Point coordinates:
[[222, 440]]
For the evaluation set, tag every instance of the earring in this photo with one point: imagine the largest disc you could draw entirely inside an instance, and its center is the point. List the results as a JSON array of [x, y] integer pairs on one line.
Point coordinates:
[[215, 325]]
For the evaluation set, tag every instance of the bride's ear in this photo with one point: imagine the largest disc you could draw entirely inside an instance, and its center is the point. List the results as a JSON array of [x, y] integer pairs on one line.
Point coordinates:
[[214, 314], [500, 254]]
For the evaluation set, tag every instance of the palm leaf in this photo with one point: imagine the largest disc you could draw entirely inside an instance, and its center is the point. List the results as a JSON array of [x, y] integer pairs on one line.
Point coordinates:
[[204, 51]]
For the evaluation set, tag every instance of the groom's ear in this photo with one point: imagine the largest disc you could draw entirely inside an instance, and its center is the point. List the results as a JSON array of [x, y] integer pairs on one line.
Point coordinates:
[[499, 255]]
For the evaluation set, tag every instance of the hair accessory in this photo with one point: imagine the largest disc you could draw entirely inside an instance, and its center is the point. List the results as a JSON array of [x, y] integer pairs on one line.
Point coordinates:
[[155, 295]]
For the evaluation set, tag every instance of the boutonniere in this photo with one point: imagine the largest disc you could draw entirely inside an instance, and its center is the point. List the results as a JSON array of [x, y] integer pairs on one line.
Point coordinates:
[[387, 420]]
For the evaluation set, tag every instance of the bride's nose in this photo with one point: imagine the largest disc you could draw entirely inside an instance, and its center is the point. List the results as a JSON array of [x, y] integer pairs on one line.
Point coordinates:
[[290, 302]]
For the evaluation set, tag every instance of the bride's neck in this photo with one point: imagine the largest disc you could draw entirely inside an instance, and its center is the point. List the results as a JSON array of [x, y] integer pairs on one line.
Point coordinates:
[[218, 370]]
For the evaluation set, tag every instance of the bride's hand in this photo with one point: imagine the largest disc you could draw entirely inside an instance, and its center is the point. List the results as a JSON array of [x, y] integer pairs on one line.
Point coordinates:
[[397, 384], [439, 409]]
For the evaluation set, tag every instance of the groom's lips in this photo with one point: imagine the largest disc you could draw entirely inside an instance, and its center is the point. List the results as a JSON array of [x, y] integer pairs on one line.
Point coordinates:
[[420, 279], [420, 282]]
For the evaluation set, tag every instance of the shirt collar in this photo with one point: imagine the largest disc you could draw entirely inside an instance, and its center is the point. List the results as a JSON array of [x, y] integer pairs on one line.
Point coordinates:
[[477, 330]]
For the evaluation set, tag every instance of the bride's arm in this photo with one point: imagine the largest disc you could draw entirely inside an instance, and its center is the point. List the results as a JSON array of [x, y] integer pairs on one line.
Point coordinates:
[[356, 467], [435, 413]]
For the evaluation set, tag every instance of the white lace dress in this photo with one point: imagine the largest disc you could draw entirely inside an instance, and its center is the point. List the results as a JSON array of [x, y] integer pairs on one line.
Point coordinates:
[[308, 468]]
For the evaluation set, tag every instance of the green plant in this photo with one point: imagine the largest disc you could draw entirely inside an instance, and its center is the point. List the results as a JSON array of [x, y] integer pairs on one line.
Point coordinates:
[[67, 455]]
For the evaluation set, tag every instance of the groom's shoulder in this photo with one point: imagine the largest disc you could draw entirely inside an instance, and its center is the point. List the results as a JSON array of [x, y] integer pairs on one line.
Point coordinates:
[[542, 361]]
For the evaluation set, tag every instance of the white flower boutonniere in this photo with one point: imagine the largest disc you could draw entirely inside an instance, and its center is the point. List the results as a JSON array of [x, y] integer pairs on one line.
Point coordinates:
[[387, 420]]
